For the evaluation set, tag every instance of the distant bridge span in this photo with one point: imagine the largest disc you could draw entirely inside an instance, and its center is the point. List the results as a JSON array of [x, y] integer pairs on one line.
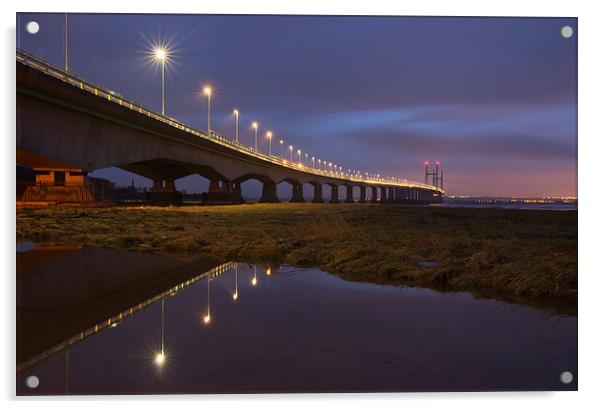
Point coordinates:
[[69, 121]]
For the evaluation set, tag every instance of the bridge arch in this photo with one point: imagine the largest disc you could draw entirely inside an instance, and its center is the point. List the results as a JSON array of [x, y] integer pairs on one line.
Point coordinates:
[[296, 189], [268, 186]]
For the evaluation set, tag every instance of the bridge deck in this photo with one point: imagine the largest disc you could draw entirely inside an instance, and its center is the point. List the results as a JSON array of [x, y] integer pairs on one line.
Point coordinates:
[[46, 68]]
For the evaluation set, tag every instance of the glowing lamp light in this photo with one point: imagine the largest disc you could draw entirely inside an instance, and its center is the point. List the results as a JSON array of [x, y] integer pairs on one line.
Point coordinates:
[[254, 125], [207, 90], [160, 54], [235, 112], [207, 319], [426, 162], [235, 296], [160, 359], [254, 281], [269, 271]]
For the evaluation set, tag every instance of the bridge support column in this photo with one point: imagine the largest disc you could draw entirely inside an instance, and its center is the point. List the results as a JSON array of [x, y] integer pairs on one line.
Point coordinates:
[[217, 185], [362, 194], [404, 195], [390, 195], [268, 193], [164, 193], [297, 194], [413, 195], [236, 192], [420, 195], [398, 195], [222, 192], [373, 195], [334, 194], [383, 194], [349, 194], [318, 194]]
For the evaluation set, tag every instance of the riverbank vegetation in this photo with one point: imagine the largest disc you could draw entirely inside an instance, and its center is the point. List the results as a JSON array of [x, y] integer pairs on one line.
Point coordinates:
[[528, 253]]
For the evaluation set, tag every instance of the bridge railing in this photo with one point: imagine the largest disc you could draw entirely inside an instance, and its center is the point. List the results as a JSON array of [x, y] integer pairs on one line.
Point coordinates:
[[215, 137]]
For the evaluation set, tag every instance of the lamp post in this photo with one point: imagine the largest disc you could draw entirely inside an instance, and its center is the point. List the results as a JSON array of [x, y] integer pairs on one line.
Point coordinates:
[[290, 148], [269, 136], [281, 143], [255, 126], [306, 161], [236, 115], [313, 162], [161, 54], [207, 91], [66, 42], [299, 153]]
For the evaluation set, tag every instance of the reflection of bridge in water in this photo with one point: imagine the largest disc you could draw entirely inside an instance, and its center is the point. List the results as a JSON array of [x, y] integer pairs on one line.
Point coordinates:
[[67, 127], [69, 314]]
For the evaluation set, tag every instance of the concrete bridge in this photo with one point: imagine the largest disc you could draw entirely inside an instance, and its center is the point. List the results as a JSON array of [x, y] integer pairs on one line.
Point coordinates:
[[67, 127]]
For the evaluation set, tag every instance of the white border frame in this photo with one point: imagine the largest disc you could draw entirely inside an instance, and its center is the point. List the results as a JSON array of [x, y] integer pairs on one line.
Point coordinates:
[[590, 67]]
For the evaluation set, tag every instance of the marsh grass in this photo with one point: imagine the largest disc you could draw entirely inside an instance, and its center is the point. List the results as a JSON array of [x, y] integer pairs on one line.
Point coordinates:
[[515, 252]]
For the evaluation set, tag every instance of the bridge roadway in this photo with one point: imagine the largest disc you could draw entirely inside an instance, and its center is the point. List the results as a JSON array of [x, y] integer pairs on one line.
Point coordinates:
[[70, 121]]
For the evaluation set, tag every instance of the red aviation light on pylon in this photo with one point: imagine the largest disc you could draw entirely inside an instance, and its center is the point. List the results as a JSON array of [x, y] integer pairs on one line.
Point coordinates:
[[437, 163], [426, 163]]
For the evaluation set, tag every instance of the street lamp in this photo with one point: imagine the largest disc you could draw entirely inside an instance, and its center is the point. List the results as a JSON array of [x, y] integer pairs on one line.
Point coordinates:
[[306, 159], [161, 54], [66, 42], [313, 162], [319, 164], [236, 115], [207, 91], [269, 136], [281, 142], [290, 148], [299, 153], [255, 126]]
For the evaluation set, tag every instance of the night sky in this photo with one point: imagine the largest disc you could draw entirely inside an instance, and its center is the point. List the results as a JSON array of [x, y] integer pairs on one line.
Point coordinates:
[[494, 99]]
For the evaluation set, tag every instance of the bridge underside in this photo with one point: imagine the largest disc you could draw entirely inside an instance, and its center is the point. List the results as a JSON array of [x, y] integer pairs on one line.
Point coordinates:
[[60, 126]]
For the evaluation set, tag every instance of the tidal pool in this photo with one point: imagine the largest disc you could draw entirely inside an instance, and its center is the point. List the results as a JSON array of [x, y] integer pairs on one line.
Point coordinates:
[[99, 321]]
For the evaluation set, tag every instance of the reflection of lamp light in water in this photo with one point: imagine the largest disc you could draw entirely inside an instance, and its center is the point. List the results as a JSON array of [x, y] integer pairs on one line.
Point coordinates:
[[235, 295], [160, 357], [207, 318], [269, 271], [254, 280]]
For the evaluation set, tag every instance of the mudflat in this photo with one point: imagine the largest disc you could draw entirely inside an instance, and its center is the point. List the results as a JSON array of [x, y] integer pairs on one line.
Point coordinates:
[[527, 253]]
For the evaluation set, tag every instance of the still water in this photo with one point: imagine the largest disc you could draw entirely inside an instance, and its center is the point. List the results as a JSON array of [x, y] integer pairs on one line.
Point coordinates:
[[99, 321]]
